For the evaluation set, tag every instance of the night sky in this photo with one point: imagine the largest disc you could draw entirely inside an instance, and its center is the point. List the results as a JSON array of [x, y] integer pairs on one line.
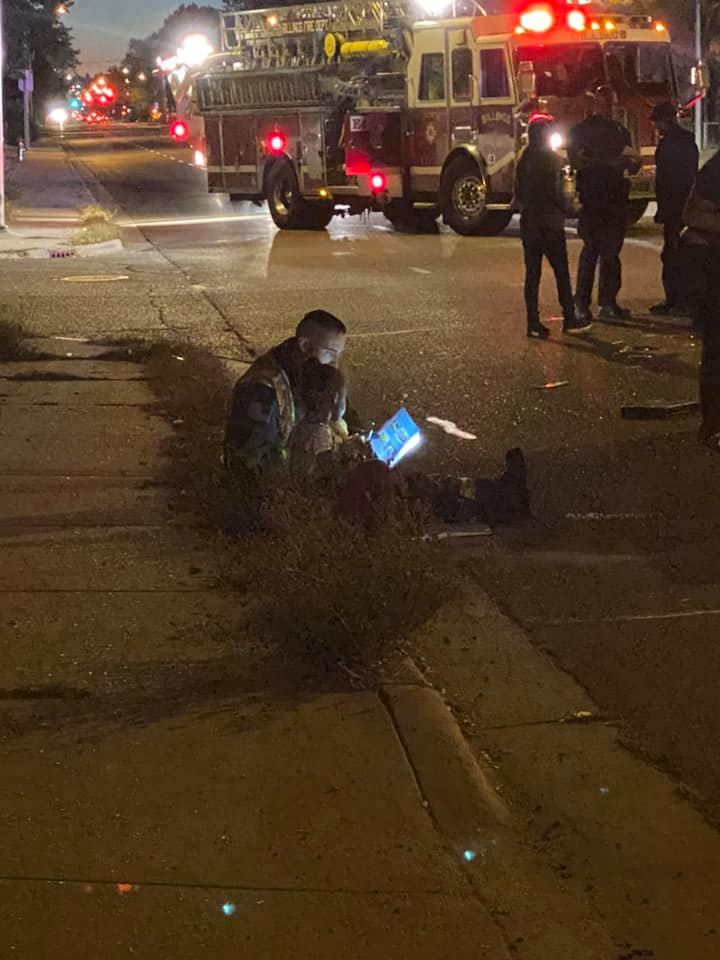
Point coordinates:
[[102, 28]]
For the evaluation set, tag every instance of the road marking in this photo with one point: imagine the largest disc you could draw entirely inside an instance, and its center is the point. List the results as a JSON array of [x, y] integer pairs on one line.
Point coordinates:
[[420, 270], [393, 333], [96, 278], [627, 618], [193, 221], [643, 243]]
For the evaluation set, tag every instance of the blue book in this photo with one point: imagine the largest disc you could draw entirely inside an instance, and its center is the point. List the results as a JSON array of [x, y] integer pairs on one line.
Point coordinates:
[[396, 438]]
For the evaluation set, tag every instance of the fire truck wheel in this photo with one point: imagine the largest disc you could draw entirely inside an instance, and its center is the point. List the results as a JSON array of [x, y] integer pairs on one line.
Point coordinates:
[[463, 194], [289, 210], [463, 197], [636, 211]]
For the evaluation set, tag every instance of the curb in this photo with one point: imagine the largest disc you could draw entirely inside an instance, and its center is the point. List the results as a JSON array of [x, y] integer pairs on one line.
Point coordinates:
[[103, 196], [66, 253], [456, 789]]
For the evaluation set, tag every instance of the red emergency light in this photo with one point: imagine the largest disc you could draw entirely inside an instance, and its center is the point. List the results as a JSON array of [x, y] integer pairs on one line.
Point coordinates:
[[276, 142], [576, 20], [179, 130], [102, 99], [378, 182], [537, 18]]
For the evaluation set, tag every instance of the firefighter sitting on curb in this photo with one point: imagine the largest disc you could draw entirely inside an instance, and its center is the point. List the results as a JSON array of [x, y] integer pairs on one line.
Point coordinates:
[[267, 400]]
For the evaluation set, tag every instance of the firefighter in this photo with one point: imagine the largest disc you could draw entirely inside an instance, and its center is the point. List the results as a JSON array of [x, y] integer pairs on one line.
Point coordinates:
[[601, 151], [267, 399], [702, 242], [542, 223], [676, 164]]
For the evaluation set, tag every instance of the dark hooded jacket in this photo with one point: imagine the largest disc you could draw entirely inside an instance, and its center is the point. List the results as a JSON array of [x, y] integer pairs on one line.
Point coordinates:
[[538, 182], [676, 164]]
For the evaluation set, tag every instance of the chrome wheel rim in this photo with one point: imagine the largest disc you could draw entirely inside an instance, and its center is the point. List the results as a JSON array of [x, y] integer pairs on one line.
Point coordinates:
[[469, 196]]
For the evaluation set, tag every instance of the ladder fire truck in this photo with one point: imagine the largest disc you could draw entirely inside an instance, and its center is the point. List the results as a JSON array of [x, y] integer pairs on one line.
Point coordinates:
[[342, 107]]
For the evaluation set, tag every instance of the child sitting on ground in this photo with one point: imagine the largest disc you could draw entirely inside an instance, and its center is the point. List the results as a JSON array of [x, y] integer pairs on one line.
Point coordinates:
[[321, 430]]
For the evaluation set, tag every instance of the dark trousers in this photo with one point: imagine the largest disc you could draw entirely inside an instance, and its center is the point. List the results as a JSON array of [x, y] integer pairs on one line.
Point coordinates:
[[708, 259], [603, 234], [672, 279], [539, 241]]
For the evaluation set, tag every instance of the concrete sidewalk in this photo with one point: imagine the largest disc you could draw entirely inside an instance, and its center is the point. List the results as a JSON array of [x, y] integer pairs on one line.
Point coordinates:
[[46, 196], [612, 832], [166, 789]]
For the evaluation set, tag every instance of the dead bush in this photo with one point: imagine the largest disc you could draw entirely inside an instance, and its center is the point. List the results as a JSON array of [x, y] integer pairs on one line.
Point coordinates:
[[333, 596], [12, 341]]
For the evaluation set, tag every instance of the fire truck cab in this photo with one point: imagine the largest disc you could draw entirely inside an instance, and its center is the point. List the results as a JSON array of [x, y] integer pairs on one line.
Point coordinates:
[[345, 107]]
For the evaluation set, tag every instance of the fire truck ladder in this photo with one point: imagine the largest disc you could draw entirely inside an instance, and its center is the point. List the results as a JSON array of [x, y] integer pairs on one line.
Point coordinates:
[[348, 18]]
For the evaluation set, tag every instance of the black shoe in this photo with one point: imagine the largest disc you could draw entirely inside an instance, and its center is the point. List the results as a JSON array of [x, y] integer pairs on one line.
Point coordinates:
[[612, 311], [663, 309], [579, 325], [539, 330]]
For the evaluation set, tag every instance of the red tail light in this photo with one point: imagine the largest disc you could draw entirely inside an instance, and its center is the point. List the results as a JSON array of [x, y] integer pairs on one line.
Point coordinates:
[[179, 130], [277, 143], [378, 182]]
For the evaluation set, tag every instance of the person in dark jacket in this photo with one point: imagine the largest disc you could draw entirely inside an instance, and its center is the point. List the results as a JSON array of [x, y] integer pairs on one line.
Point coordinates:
[[601, 151], [676, 164], [267, 400], [542, 224], [701, 240]]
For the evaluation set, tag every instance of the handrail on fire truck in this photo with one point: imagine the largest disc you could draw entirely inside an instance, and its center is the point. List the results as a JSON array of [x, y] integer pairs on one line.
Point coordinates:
[[346, 17]]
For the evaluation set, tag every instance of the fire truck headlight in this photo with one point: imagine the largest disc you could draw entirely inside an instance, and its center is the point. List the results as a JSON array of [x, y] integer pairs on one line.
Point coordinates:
[[435, 8], [557, 141], [200, 159]]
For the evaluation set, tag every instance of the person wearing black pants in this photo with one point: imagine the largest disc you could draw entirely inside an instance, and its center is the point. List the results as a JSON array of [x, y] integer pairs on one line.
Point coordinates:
[[600, 150], [701, 241], [542, 224], [676, 164]]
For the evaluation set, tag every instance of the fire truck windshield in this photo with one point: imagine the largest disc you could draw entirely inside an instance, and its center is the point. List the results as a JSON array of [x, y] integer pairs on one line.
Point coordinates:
[[569, 70], [640, 68], [565, 69]]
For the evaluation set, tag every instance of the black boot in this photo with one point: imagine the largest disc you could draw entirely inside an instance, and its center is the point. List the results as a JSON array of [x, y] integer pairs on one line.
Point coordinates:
[[506, 500], [537, 330]]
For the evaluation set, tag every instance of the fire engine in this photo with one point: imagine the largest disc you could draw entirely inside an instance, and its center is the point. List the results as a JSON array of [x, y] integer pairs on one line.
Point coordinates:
[[358, 105]]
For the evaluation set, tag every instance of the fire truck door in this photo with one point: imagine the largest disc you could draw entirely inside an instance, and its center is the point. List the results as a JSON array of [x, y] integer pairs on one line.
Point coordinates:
[[496, 138], [464, 111], [312, 151], [428, 129]]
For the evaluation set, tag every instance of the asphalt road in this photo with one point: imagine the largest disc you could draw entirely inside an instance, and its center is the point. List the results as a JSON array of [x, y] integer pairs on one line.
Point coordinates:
[[619, 577]]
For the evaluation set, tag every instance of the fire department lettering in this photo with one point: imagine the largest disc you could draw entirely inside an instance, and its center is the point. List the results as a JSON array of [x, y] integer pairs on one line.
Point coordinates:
[[505, 119], [357, 124]]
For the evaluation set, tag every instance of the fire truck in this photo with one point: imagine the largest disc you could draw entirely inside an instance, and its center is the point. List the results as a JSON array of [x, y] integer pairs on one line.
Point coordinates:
[[359, 105]]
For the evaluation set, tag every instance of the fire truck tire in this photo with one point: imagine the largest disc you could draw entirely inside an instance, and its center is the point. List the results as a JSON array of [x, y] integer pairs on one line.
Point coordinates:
[[463, 201], [289, 210], [636, 211]]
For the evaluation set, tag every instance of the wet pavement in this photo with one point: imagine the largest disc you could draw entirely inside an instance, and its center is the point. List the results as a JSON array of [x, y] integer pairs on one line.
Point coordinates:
[[619, 577]]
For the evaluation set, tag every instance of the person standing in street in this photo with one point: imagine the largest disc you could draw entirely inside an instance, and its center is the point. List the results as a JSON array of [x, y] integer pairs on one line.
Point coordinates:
[[601, 151], [701, 240], [676, 164], [542, 224]]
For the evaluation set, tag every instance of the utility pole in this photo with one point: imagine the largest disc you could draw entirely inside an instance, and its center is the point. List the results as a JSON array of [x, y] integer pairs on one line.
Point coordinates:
[[698, 61], [2, 128]]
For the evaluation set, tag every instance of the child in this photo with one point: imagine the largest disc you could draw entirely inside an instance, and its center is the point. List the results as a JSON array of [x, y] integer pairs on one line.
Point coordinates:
[[321, 429]]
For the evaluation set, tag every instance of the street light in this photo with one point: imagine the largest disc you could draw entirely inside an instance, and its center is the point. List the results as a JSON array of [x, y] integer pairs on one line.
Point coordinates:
[[195, 50], [59, 116], [2, 129]]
